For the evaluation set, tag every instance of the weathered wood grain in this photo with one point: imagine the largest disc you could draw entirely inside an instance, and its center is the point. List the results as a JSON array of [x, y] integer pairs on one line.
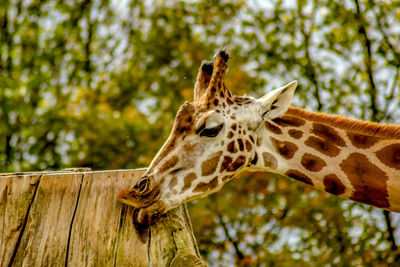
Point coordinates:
[[45, 238], [99, 218], [16, 194], [172, 241], [66, 218]]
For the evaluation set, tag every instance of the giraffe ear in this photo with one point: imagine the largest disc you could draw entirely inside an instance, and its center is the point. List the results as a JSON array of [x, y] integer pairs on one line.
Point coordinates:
[[203, 79], [277, 102]]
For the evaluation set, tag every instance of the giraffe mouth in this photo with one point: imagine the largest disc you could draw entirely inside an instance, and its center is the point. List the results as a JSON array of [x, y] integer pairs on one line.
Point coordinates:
[[142, 195], [150, 214], [143, 218]]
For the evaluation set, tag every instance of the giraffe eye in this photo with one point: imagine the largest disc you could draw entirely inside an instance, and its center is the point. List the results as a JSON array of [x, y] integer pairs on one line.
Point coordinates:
[[211, 132]]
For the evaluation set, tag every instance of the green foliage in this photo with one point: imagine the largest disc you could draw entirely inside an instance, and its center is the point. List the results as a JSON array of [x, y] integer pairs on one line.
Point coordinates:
[[97, 83]]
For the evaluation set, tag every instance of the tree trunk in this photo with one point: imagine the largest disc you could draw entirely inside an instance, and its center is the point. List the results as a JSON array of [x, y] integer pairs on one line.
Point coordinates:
[[72, 218]]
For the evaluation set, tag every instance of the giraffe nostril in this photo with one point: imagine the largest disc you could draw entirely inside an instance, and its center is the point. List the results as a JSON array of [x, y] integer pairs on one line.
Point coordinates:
[[142, 185]]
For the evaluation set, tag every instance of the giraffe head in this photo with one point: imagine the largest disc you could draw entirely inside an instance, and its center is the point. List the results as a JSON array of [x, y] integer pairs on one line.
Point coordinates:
[[213, 139]]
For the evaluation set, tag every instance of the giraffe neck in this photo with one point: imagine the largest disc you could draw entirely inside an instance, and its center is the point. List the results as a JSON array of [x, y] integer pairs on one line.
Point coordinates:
[[352, 159]]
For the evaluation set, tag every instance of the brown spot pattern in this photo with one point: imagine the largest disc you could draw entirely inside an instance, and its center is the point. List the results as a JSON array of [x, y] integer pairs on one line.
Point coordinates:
[[390, 156], [208, 167], [183, 119], [258, 141], [286, 120], [232, 147], [239, 162], [333, 185], [225, 163], [362, 141], [322, 146], [299, 176], [242, 100], [248, 146], [187, 181], [251, 139], [204, 187], [234, 126], [296, 134], [273, 128], [255, 159], [328, 133], [284, 148], [269, 160], [241, 144], [369, 182], [230, 134], [173, 182], [312, 162], [169, 163]]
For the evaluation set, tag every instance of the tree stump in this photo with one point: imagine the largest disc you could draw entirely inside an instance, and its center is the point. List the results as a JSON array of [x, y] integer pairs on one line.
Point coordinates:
[[72, 218]]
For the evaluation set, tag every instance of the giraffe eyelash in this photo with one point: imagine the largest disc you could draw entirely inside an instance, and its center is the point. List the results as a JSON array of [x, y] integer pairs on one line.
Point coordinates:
[[212, 132], [201, 128]]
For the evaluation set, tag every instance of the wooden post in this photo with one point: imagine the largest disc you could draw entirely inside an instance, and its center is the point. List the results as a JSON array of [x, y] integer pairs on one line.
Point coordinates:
[[72, 218]]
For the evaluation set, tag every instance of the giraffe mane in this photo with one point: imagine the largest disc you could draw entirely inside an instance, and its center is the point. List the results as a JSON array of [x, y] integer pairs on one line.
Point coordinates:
[[387, 131]]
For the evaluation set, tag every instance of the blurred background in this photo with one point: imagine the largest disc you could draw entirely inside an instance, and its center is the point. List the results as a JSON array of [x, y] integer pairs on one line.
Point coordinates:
[[97, 83]]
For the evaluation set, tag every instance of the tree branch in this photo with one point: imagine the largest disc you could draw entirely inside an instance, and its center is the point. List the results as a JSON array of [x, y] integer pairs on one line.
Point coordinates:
[[379, 18], [6, 38], [88, 51], [390, 230], [373, 105], [381, 21], [368, 62], [239, 254], [310, 68], [392, 92]]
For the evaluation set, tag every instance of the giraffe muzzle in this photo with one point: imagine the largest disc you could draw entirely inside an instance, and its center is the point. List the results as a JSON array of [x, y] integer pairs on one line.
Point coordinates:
[[142, 195], [150, 214], [143, 218]]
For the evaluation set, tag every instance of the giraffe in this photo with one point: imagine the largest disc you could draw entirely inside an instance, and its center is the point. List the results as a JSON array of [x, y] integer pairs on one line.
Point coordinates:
[[219, 135]]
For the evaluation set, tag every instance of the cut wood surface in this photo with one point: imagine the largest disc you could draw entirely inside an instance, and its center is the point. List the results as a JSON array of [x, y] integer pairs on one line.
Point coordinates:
[[72, 218]]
